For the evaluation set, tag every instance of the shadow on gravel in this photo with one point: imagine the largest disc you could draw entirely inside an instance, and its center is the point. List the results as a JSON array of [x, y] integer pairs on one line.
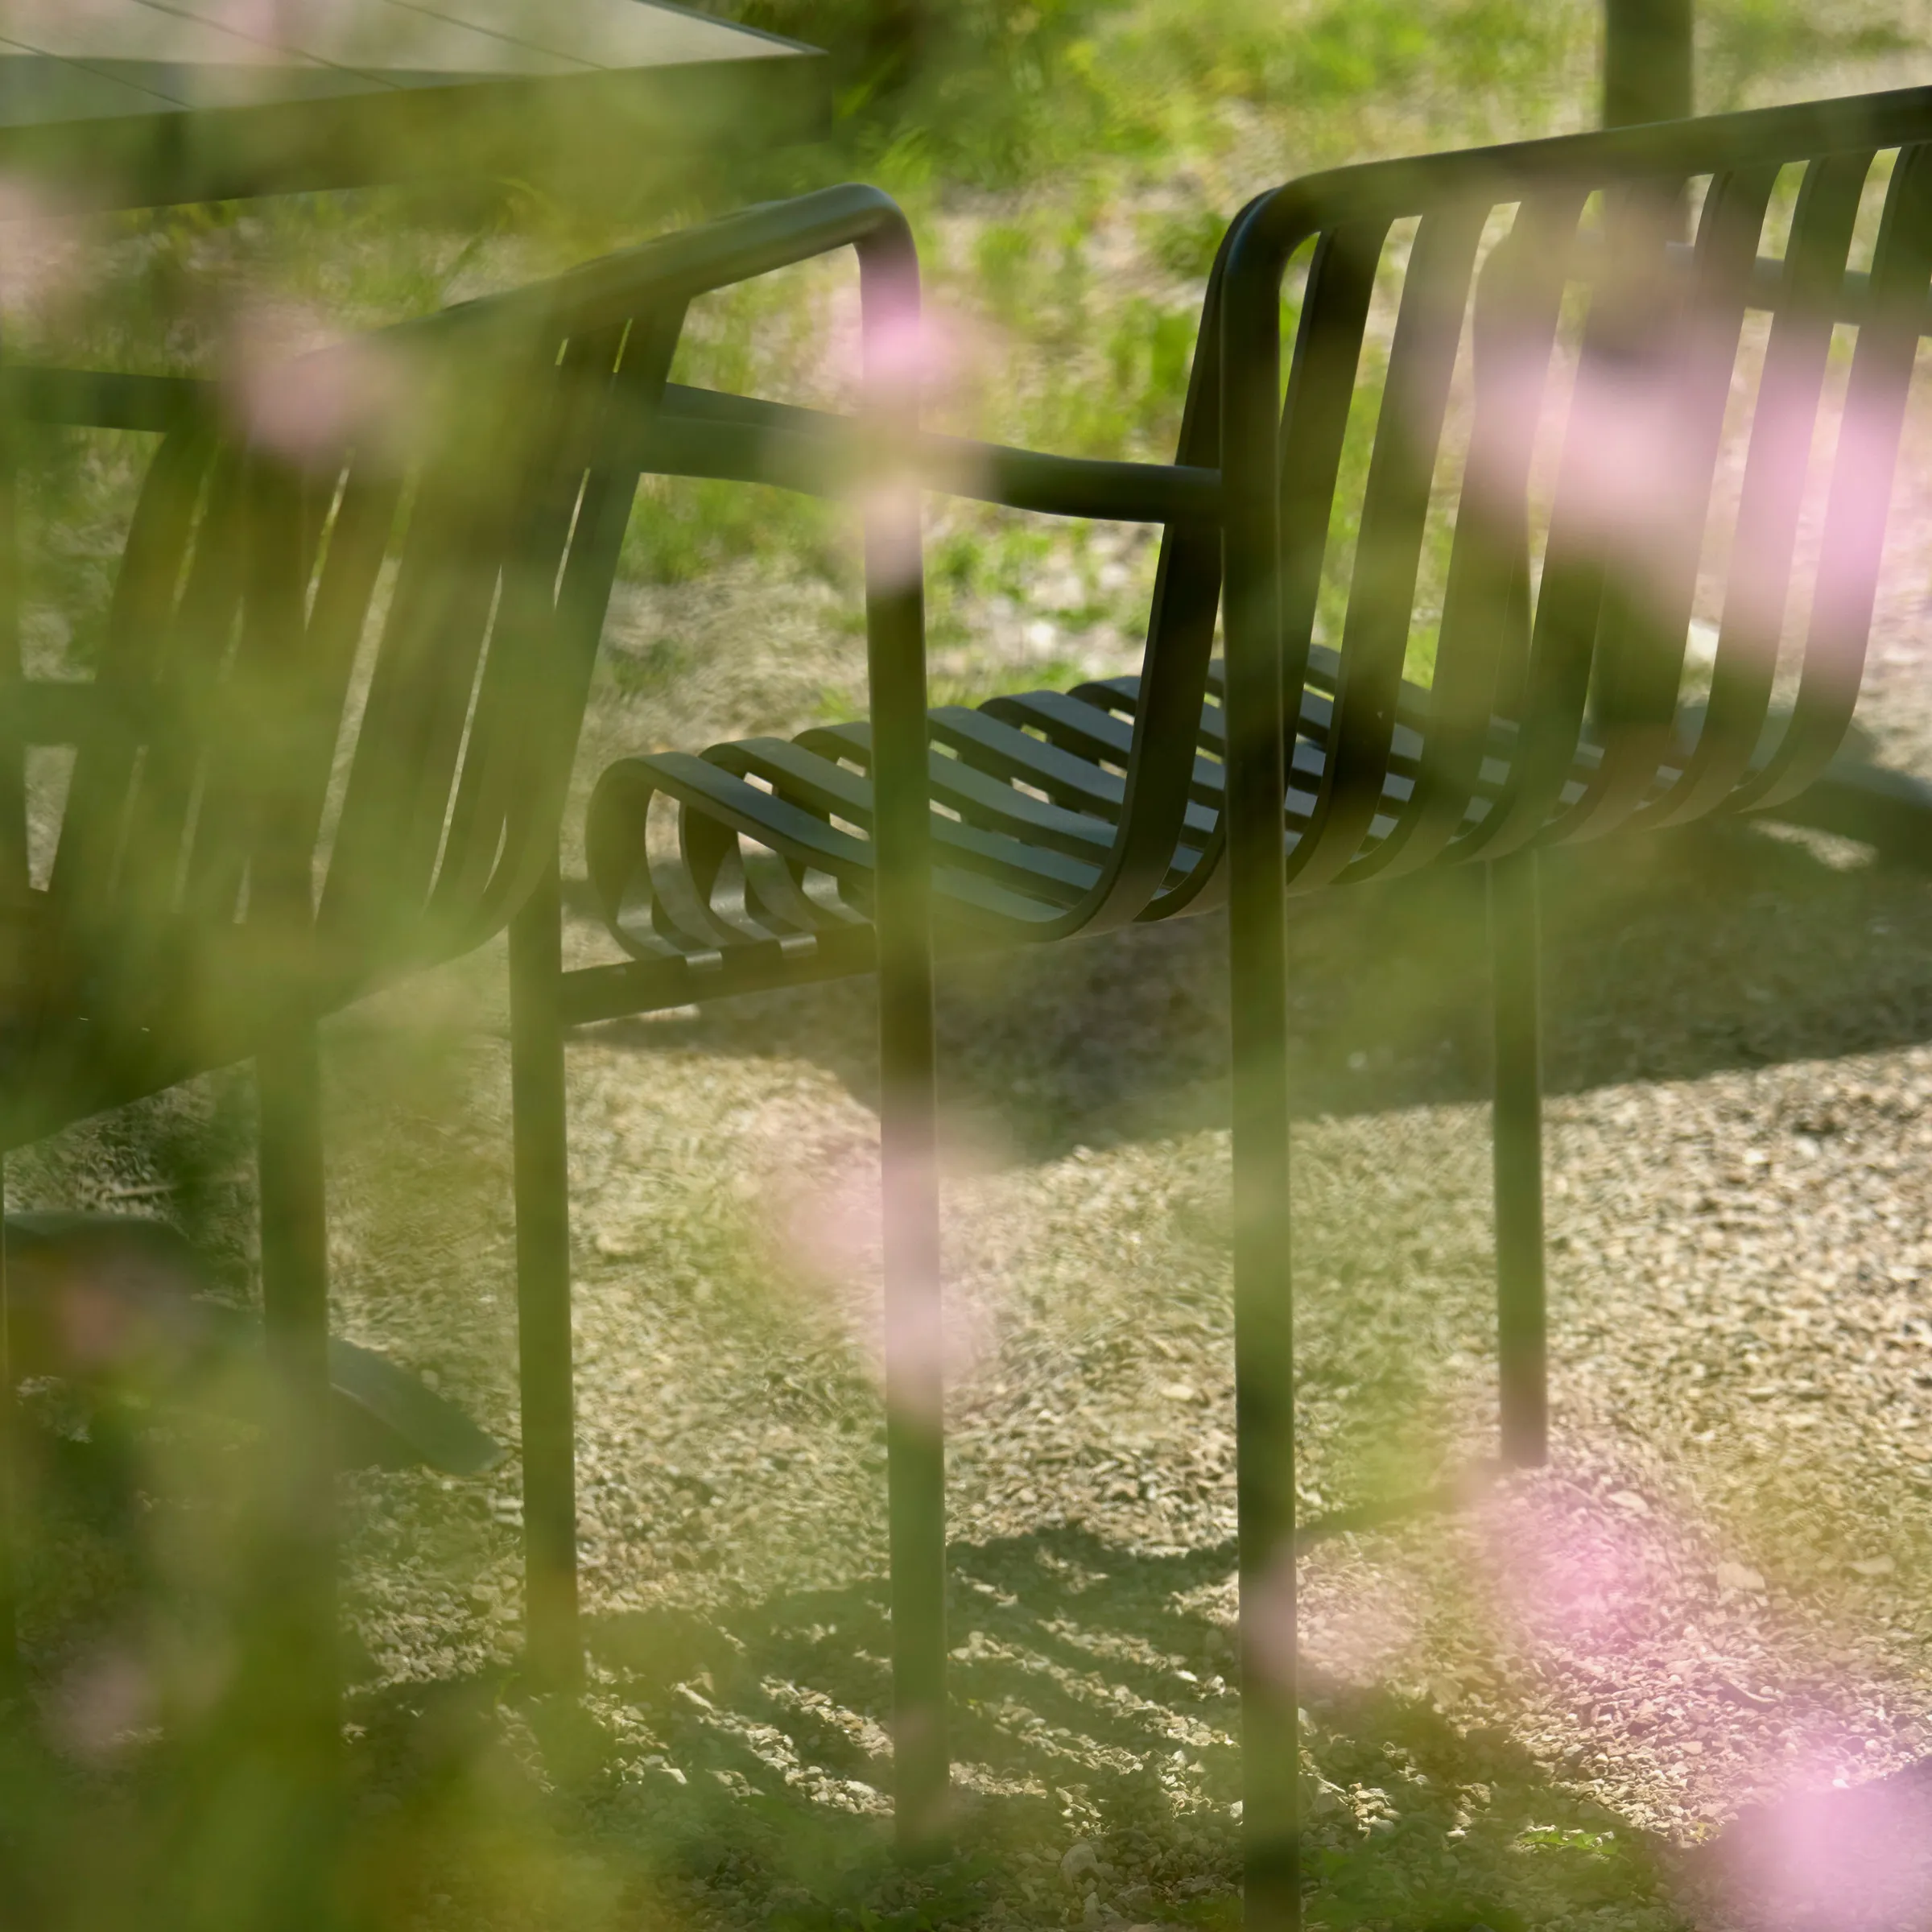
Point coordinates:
[[1665, 958], [1095, 1718]]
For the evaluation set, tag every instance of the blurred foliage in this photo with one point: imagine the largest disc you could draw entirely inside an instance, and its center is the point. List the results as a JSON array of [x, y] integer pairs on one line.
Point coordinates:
[[1742, 42]]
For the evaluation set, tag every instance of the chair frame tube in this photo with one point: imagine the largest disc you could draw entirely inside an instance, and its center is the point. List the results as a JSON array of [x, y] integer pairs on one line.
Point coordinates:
[[1264, 1331], [885, 467], [301, 1538], [554, 1656], [1516, 1150]]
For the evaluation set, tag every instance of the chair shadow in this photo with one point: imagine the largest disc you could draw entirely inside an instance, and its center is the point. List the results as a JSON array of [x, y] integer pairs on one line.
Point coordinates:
[[1727, 946], [734, 1760]]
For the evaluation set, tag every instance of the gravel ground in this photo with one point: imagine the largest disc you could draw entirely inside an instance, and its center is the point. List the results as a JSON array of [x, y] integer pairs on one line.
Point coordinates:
[[1585, 1696]]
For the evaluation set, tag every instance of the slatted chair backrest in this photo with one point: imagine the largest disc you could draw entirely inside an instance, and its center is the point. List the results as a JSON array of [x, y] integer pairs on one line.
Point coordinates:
[[1560, 702], [249, 653], [463, 752], [331, 728]]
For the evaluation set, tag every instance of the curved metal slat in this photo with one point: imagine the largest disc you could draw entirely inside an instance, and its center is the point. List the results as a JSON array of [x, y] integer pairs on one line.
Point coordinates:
[[503, 752], [432, 641], [1482, 642], [139, 615], [703, 786], [985, 803], [1098, 735], [1846, 583], [1570, 600], [258, 787], [1322, 378], [1648, 605], [1388, 556], [511, 790], [357, 540], [1765, 541], [822, 786]]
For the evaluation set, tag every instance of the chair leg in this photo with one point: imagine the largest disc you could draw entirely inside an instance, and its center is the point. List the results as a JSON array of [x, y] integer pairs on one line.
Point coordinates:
[[299, 1614], [13, 882], [915, 1393], [552, 1639], [1264, 1458], [1522, 1316], [1264, 1313], [914, 1403]]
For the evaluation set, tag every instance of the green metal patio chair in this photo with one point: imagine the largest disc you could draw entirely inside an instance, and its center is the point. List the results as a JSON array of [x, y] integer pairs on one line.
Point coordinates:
[[1559, 708], [331, 726]]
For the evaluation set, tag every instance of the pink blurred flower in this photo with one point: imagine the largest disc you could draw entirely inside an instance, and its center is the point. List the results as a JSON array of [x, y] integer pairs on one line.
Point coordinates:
[[1631, 467], [894, 535], [308, 404], [273, 24], [1622, 434], [1570, 1568], [1356, 1624], [822, 1208], [1832, 1859], [1270, 1618], [907, 355], [914, 354], [104, 1699], [823, 1211]]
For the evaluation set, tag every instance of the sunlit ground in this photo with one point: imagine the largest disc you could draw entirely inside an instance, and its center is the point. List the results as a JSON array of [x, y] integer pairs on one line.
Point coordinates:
[[1538, 1700]]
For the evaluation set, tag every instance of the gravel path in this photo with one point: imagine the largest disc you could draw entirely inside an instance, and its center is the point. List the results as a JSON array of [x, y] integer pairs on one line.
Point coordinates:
[[1580, 1697], [1536, 1701]]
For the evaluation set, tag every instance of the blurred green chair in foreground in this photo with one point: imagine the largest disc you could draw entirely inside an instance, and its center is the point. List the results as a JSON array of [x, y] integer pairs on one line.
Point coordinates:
[[1584, 432], [327, 744]]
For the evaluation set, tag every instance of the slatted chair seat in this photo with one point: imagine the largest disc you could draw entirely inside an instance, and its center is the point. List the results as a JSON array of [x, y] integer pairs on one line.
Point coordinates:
[[774, 836]]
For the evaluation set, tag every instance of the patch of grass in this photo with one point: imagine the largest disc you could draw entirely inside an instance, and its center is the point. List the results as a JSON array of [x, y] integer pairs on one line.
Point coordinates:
[[683, 528], [1743, 43], [1184, 244], [1043, 674], [655, 668]]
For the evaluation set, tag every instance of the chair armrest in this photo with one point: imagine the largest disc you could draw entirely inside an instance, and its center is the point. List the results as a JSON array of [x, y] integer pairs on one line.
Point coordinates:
[[102, 399], [702, 432], [673, 271]]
